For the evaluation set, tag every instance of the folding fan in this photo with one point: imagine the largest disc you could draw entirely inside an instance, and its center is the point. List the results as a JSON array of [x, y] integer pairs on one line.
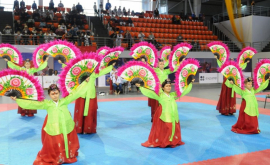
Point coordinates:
[[20, 84], [136, 69], [245, 55], [232, 71], [179, 52], [109, 58], [220, 50], [76, 71], [261, 72], [103, 50], [62, 50], [39, 55], [164, 55], [11, 53], [185, 74], [147, 50]]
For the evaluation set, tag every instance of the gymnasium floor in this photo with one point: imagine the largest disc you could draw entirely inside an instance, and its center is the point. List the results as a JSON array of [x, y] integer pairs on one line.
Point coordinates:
[[124, 123]]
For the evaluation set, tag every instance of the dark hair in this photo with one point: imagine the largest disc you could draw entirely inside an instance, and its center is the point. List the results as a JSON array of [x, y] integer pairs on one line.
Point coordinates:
[[143, 57], [53, 87], [55, 71], [160, 60], [181, 58], [216, 54], [166, 82], [249, 79], [27, 60]]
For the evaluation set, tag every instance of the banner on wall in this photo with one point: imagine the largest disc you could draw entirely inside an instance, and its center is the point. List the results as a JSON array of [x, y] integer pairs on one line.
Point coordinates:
[[107, 80], [48, 80], [208, 78], [40, 79]]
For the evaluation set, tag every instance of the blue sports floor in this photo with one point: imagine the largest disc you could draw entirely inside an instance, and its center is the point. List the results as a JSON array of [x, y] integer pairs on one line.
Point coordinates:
[[124, 125]]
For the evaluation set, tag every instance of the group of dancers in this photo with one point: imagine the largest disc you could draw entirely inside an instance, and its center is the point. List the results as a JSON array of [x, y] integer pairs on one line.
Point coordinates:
[[77, 83]]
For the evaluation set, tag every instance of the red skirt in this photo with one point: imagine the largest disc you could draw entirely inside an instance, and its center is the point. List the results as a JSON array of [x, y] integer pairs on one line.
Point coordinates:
[[246, 124], [111, 87], [53, 149], [226, 104], [161, 132], [26, 111], [154, 107], [85, 124], [149, 102]]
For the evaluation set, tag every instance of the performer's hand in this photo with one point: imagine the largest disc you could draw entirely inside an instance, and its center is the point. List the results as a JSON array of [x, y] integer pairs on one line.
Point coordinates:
[[87, 80], [6, 59], [13, 98], [248, 61], [193, 80], [231, 82], [215, 57], [138, 85], [47, 59], [60, 62], [114, 63]]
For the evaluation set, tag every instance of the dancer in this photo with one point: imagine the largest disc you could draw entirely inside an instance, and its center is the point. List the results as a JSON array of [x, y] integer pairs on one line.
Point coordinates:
[[59, 138], [247, 122], [85, 112], [165, 131], [30, 71]]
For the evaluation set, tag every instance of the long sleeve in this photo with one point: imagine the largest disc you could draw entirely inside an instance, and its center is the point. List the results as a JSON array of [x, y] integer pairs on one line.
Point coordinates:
[[234, 87], [105, 71], [41, 67], [187, 90], [243, 66], [78, 92], [63, 65], [149, 93], [263, 86], [29, 104], [219, 63], [13, 66]]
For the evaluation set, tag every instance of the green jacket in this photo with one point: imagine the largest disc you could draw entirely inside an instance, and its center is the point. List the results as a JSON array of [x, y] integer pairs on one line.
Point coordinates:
[[63, 65], [91, 89], [30, 71], [169, 107], [162, 75], [251, 108], [59, 118]]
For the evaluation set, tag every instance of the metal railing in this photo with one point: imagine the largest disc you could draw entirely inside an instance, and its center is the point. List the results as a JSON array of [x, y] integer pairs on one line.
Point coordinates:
[[261, 45], [245, 11]]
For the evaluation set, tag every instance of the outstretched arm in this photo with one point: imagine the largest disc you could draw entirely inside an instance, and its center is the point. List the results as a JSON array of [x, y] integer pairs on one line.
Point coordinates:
[[187, 90], [262, 87], [234, 87], [219, 63], [29, 104], [243, 66], [13, 66], [41, 67]]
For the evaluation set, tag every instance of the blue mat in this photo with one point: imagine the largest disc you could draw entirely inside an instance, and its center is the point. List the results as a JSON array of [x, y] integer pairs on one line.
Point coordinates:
[[124, 125], [262, 96]]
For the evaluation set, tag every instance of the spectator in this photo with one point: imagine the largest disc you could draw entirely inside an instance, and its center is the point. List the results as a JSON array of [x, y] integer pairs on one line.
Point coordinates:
[[95, 9], [17, 11], [193, 16], [34, 35], [42, 24], [174, 19], [141, 36], [179, 39], [115, 11], [34, 6], [79, 8], [55, 73], [16, 4], [194, 45], [51, 14], [22, 4], [117, 84], [61, 5], [63, 27], [124, 11], [86, 39], [41, 37], [113, 36], [73, 7], [128, 12], [36, 16], [100, 8], [52, 28], [7, 31], [119, 12], [60, 31], [156, 13], [52, 35], [18, 38], [151, 38], [25, 36], [24, 16], [132, 13], [72, 33], [47, 37], [108, 5], [129, 40], [118, 39], [113, 73], [129, 22], [30, 22], [18, 26], [109, 12], [51, 5]]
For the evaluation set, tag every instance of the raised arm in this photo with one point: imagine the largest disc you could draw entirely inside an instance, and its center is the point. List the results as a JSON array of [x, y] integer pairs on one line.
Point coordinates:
[[234, 87], [187, 90], [13, 66], [104, 71], [29, 104], [263, 86], [41, 67], [243, 66], [149, 93], [219, 63], [63, 65], [78, 92]]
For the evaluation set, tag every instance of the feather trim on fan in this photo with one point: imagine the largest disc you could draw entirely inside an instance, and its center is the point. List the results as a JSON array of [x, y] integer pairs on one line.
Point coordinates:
[[261, 70], [76, 71], [232, 70], [103, 50], [188, 68], [20, 82], [137, 69], [14, 55], [64, 49], [179, 51], [246, 53], [221, 49], [109, 57], [145, 49], [38, 55]]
